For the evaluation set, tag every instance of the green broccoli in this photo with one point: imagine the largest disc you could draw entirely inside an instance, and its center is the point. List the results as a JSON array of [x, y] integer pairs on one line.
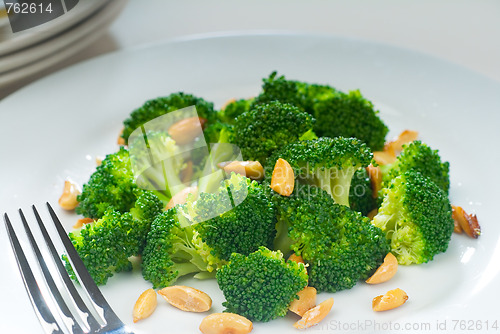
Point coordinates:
[[419, 156], [157, 164], [105, 245], [239, 217], [233, 109], [262, 285], [328, 163], [265, 128], [361, 193], [163, 105], [339, 245], [336, 113], [111, 186], [415, 216], [169, 252]]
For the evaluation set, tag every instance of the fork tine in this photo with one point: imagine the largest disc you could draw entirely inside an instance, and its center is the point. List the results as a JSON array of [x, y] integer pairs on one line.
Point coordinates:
[[41, 308], [100, 304], [66, 315], [84, 312]]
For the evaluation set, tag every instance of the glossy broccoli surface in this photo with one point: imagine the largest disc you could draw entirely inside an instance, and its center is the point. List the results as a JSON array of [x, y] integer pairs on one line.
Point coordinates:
[[163, 105], [268, 127], [415, 216], [339, 245], [106, 244], [328, 163], [420, 157], [262, 285], [336, 113]]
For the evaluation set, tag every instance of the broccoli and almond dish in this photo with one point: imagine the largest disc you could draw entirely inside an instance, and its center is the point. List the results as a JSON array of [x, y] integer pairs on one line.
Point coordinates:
[[281, 199]]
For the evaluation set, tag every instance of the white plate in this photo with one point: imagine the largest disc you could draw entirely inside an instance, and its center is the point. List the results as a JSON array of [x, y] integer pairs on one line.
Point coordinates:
[[54, 128], [35, 59], [11, 42]]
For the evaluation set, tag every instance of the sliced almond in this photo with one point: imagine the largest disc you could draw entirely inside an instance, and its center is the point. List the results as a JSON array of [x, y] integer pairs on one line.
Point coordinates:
[[465, 222], [186, 130], [283, 178], [384, 157], [186, 298], [396, 146], [120, 140], [386, 270], [98, 161], [82, 221], [187, 173], [225, 323], [181, 197], [372, 213], [145, 305], [392, 299], [251, 169], [375, 176], [296, 258], [306, 301], [68, 200], [314, 315]]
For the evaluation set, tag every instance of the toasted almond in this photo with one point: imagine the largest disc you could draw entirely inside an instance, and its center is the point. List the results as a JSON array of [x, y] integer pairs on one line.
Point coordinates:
[[392, 299], [186, 130], [82, 221], [386, 270], [384, 157], [68, 200], [296, 258], [283, 178], [396, 146], [145, 305], [98, 161], [181, 197], [186, 298], [372, 213], [225, 323], [375, 176], [306, 301], [187, 173], [465, 222], [120, 140], [315, 315], [251, 169]]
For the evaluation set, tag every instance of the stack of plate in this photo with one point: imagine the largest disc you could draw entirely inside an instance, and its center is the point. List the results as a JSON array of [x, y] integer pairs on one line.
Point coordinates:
[[26, 53]]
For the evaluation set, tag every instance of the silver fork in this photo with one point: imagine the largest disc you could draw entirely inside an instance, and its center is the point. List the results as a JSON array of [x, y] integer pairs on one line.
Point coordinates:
[[56, 313]]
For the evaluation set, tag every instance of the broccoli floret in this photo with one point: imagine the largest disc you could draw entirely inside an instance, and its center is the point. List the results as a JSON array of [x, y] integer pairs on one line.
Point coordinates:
[[419, 156], [328, 163], [105, 245], [200, 236], [415, 216], [262, 285], [350, 115], [110, 187], [219, 132], [339, 245], [163, 105], [361, 193], [336, 113], [157, 163], [265, 128], [240, 228], [234, 109], [169, 252]]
